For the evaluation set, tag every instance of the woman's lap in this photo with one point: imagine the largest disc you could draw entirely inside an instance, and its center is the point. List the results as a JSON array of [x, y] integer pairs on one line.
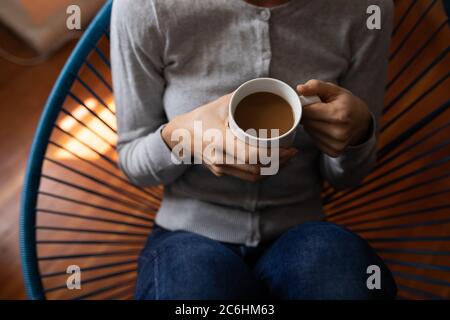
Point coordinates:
[[316, 260], [183, 265]]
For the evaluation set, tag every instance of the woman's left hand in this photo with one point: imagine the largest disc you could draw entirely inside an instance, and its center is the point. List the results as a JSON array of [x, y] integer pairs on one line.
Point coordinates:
[[341, 120]]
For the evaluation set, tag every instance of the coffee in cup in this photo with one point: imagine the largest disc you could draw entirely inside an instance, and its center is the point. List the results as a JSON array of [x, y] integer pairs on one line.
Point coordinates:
[[264, 111], [266, 104]]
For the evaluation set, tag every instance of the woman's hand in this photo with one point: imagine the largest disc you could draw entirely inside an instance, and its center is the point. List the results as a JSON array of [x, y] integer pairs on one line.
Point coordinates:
[[214, 115], [341, 120]]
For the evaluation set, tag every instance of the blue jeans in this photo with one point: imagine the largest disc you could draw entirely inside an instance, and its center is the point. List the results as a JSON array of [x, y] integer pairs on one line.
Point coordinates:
[[315, 260]]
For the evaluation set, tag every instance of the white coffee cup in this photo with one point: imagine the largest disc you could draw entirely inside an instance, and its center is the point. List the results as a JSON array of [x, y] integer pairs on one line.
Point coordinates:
[[276, 87]]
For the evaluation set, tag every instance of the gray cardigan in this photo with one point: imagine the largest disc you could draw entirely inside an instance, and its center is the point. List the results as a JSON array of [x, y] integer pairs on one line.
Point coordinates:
[[171, 56]]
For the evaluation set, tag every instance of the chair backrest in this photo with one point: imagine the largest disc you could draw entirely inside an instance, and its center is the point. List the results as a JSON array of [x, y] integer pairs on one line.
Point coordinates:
[[79, 210]]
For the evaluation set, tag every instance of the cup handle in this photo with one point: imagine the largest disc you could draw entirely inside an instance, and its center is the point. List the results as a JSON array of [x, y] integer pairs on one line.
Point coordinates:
[[309, 100]]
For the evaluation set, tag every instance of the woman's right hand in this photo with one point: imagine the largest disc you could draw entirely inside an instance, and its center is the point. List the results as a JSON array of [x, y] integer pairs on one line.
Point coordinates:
[[214, 115]]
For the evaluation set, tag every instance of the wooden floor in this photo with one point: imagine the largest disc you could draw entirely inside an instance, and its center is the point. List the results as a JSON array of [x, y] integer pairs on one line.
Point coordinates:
[[23, 92]]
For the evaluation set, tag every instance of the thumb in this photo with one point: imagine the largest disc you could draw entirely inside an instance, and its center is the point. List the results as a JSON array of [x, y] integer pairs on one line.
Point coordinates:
[[324, 90]]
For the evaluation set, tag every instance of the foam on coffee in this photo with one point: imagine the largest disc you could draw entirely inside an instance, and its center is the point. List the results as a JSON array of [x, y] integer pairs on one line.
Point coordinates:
[[264, 110]]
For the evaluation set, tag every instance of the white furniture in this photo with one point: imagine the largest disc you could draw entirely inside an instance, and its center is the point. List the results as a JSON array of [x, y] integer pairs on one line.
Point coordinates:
[[42, 23]]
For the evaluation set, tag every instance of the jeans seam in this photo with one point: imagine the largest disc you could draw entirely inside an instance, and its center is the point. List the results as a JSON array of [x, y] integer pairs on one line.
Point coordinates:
[[155, 274]]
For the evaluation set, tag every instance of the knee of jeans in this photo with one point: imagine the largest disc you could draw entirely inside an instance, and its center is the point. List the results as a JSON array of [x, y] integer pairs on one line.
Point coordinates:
[[190, 266], [187, 248], [324, 240], [320, 245], [325, 253], [177, 252], [316, 233]]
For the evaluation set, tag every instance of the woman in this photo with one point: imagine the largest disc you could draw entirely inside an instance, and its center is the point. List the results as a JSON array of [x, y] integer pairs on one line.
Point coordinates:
[[223, 231]]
